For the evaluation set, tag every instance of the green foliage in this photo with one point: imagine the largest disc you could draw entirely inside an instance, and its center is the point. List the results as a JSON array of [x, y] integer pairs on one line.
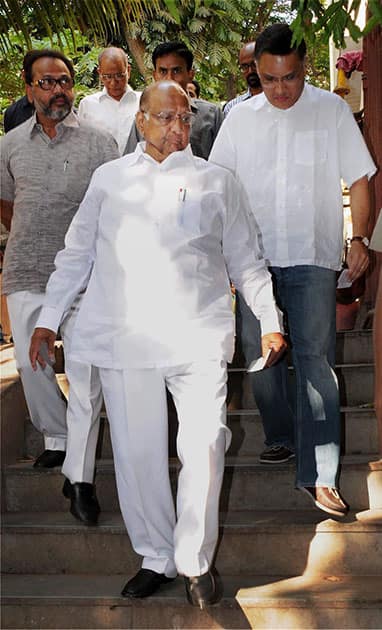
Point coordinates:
[[213, 29], [316, 17], [104, 18]]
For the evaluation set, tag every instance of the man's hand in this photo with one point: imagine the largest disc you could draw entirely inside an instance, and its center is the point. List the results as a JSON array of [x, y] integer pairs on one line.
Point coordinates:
[[42, 339], [357, 260], [275, 342]]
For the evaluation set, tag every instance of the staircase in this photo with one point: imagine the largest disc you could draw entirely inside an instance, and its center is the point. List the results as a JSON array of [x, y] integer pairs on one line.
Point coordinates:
[[283, 564]]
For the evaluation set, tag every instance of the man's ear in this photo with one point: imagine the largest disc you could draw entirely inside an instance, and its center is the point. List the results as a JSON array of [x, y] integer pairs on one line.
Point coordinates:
[[140, 122], [191, 74], [29, 93]]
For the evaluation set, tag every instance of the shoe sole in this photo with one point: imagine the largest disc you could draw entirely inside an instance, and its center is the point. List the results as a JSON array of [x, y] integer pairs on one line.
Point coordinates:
[[277, 461], [324, 508], [165, 580]]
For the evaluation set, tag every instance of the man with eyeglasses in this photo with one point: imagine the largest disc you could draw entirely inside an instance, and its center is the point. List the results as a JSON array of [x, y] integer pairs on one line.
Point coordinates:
[[290, 147], [46, 166], [247, 65], [113, 108], [173, 61], [159, 231]]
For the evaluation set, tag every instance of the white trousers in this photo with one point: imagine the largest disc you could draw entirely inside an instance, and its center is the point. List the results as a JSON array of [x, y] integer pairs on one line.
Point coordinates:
[[136, 404], [74, 427]]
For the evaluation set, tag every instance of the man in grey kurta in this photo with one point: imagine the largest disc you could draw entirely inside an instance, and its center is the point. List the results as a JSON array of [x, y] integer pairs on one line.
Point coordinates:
[[46, 166]]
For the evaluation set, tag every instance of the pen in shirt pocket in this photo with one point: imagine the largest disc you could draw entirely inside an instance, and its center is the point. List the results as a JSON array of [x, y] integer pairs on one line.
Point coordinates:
[[182, 194], [65, 165]]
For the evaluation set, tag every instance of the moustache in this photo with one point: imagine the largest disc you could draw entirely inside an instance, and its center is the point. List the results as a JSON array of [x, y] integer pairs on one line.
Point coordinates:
[[57, 97]]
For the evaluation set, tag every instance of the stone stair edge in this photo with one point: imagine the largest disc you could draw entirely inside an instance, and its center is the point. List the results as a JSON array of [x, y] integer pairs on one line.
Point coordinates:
[[370, 460], [245, 521], [233, 584]]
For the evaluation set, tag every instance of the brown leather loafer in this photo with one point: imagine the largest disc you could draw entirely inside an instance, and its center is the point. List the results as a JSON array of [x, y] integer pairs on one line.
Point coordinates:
[[327, 499]]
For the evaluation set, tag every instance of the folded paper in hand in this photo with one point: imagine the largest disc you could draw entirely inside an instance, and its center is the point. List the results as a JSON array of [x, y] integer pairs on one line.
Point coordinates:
[[344, 281]]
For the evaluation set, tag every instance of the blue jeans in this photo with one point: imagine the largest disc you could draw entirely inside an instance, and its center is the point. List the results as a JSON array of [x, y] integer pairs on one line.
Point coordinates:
[[306, 295]]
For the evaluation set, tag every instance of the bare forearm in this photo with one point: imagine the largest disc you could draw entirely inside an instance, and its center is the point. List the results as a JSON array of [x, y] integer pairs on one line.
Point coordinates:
[[360, 206], [358, 257]]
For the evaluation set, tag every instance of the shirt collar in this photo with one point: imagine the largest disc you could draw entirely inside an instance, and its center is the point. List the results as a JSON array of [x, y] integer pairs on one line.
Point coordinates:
[[261, 100], [71, 120], [127, 94], [178, 158]]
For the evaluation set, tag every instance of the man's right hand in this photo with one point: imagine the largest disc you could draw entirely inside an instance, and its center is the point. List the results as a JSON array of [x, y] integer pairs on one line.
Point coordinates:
[[40, 337]]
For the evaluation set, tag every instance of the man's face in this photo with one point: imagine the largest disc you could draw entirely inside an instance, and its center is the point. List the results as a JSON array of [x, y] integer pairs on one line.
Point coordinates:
[[114, 73], [173, 68], [164, 137], [191, 90], [282, 78], [248, 65], [54, 103]]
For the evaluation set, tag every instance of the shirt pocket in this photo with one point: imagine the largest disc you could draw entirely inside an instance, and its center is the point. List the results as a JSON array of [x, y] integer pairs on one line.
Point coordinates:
[[311, 147], [190, 214], [74, 180]]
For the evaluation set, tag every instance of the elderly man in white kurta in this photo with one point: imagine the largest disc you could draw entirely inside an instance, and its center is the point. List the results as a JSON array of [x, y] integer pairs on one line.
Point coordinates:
[[114, 108], [156, 240]]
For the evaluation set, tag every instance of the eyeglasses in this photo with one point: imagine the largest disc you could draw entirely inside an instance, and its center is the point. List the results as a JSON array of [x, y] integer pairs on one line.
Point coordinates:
[[166, 118], [244, 67], [289, 79], [116, 75], [48, 83]]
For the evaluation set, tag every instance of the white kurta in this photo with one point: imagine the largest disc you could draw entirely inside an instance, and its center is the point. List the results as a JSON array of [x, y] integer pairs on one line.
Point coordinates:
[[105, 112], [159, 242], [290, 163]]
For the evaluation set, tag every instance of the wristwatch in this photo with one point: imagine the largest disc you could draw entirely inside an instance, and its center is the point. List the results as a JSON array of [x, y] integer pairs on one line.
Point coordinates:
[[362, 239]]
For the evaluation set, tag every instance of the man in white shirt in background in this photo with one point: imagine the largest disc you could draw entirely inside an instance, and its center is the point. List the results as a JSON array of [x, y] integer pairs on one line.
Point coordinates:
[[114, 108], [290, 147], [158, 233], [247, 65]]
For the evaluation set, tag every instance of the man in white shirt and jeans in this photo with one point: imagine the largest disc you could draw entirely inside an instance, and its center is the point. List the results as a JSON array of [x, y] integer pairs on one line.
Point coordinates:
[[158, 233], [114, 108], [290, 147]]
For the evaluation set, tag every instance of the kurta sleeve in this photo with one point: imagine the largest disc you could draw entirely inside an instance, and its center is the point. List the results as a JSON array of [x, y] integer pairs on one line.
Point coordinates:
[[245, 263], [75, 262]]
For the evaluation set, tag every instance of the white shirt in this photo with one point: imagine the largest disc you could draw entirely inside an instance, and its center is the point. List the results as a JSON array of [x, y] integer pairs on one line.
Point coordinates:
[[291, 163], [159, 242], [114, 116]]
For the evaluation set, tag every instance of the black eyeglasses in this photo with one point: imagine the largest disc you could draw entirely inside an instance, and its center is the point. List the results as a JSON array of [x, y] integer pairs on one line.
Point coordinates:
[[48, 84], [244, 67]]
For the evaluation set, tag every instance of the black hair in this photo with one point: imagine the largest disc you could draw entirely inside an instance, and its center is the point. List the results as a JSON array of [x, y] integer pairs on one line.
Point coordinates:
[[277, 40], [175, 48], [33, 55]]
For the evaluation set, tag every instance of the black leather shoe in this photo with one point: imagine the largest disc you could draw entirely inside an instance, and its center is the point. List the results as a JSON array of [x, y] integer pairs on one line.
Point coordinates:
[[50, 459], [145, 583], [202, 590], [83, 501]]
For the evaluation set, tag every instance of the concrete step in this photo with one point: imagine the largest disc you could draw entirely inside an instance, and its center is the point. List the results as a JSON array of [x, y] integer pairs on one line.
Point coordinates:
[[252, 542], [359, 430], [354, 346], [268, 602], [247, 485]]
